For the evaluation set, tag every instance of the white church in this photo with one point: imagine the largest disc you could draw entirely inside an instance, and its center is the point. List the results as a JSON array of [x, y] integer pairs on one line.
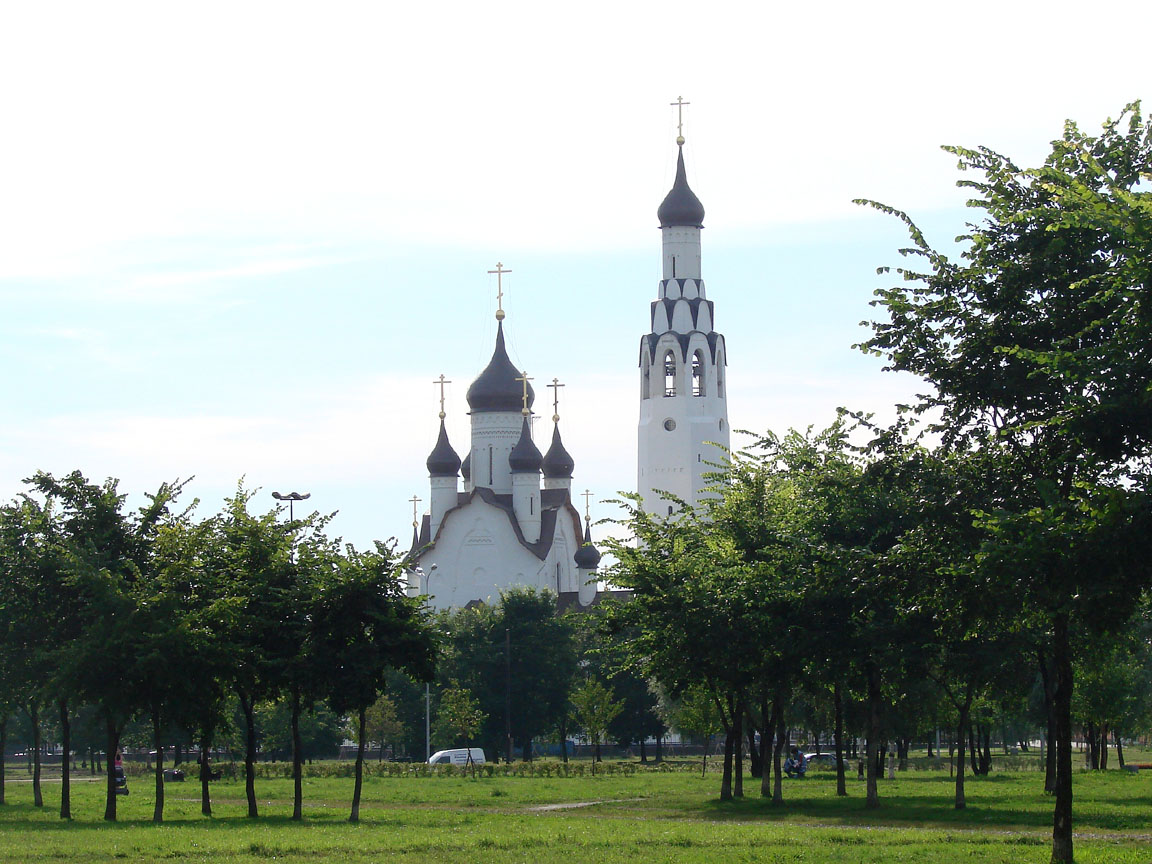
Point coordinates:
[[514, 523]]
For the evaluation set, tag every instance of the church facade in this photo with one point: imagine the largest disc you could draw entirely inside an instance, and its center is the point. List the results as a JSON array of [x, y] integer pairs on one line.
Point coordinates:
[[504, 517], [683, 360], [513, 523]]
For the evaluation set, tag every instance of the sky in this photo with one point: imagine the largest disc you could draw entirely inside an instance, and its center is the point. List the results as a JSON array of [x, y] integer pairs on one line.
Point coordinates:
[[239, 241]]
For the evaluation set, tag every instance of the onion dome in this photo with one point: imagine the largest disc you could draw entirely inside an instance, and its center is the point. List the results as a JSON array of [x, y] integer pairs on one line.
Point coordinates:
[[525, 456], [466, 467], [443, 461], [497, 388], [587, 557], [557, 462], [681, 206]]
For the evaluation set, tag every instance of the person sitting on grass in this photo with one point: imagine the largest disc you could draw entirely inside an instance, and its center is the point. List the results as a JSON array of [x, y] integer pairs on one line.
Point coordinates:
[[795, 765]]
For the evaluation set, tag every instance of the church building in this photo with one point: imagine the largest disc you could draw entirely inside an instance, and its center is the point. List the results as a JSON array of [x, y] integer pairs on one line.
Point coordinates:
[[683, 395], [513, 523]]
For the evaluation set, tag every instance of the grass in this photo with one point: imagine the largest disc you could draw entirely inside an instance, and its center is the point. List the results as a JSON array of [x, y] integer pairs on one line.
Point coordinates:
[[644, 817]]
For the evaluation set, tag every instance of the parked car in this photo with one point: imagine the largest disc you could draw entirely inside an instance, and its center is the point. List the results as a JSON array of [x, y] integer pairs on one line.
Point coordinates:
[[822, 761], [456, 757]]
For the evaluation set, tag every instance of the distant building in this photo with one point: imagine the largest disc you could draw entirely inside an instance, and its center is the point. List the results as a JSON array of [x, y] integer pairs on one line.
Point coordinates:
[[514, 523], [683, 389]]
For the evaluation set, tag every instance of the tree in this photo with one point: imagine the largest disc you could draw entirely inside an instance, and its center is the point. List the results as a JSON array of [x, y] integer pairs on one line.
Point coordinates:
[[1039, 338], [382, 723], [459, 719], [594, 709], [363, 625]]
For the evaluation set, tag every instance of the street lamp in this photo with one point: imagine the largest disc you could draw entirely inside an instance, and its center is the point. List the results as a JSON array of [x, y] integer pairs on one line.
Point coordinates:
[[425, 577], [291, 498]]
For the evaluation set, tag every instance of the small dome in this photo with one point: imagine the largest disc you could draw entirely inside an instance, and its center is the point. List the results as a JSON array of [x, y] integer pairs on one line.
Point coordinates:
[[681, 206], [443, 461], [466, 467], [557, 462], [496, 389], [587, 557], [525, 456]]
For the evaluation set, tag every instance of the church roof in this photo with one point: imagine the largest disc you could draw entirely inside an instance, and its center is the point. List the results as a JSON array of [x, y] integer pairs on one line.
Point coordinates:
[[681, 206], [587, 557], [496, 388], [443, 461], [525, 456], [557, 461], [466, 466]]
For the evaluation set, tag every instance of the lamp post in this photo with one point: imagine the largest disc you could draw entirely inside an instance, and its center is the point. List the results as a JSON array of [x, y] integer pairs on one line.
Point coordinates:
[[292, 498], [425, 577]]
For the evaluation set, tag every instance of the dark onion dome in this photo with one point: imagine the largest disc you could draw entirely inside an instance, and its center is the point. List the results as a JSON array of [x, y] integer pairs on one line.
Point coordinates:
[[525, 456], [466, 467], [681, 206], [557, 462], [497, 388], [587, 557], [443, 461]]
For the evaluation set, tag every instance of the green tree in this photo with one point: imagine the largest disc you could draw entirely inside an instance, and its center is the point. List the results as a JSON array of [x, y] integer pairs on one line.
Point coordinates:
[[459, 719], [1038, 338], [364, 624], [594, 709], [382, 724]]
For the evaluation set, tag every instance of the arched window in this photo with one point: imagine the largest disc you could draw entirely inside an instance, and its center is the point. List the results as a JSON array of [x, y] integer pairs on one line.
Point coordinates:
[[697, 374], [669, 374], [646, 378]]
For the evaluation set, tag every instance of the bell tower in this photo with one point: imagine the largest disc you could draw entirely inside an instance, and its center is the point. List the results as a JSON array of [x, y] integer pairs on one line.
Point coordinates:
[[683, 385]]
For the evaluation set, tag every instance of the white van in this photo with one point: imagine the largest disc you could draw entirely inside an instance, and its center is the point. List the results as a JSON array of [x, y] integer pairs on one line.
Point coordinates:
[[457, 757]]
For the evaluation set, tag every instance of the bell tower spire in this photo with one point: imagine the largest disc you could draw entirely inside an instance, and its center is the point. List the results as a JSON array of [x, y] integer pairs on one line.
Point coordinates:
[[683, 396]]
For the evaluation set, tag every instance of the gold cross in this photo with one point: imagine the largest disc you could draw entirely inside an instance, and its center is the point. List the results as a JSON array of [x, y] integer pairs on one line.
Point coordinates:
[[499, 271], [442, 381], [679, 103], [525, 379], [414, 501], [587, 496], [555, 385]]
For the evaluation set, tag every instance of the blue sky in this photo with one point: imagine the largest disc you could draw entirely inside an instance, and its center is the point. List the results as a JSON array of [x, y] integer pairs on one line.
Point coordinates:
[[241, 240]]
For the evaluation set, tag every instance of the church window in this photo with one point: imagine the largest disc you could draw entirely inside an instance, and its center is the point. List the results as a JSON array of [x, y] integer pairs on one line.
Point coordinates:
[[669, 425], [490, 481], [721, 424], [646, 380], [669, 374], [557, 578], [697, 374], [669, 509], [531, 505]]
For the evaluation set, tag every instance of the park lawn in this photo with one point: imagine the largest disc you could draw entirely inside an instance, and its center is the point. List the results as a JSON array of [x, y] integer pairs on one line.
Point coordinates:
[[649, 816]]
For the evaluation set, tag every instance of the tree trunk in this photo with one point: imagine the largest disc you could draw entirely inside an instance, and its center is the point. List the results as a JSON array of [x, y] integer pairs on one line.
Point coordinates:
[[1062, 708], [297, 760], [986, 751], [33, 711], [110, 767], [205, 769], [972, 751], [1092, 755], [249, 710], [1050, 736], [755, 762], [158, 807], [660, 748], [564, 740], [766, 740], [1115, 737], [361, 723], [643, 751], [838, 701], [1103, 746], [781, 741], [872, 801], [65, 765], [738, 758], [726, 777], [960, 803]]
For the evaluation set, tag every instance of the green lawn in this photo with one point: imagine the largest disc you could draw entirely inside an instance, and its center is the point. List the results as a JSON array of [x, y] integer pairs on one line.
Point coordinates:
[[647, 817]]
